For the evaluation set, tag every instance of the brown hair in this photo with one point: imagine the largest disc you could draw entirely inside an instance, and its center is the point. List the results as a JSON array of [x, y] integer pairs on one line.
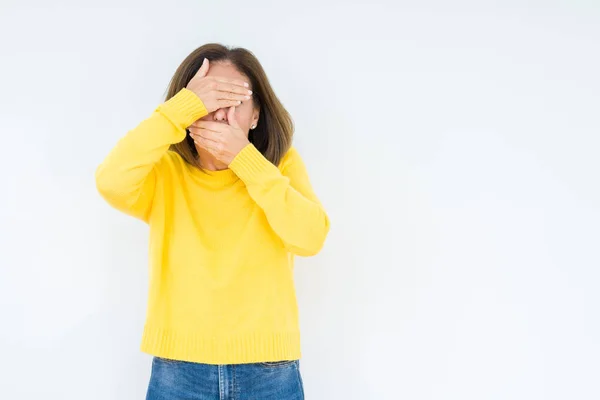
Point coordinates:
[[275, 128]]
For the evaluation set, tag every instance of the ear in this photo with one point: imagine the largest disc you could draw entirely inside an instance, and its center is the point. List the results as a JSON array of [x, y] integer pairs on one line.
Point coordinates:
[[255, 116]]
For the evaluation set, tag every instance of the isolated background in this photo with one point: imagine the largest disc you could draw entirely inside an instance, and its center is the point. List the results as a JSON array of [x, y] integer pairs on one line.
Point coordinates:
[[454, 145]]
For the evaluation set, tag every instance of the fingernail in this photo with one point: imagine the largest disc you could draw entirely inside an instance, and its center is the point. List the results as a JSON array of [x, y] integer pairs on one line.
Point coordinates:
[[246, 84], [249, 91]]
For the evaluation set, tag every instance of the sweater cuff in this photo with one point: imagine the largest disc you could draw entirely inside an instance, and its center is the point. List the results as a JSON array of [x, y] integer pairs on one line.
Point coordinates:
[[252, 167], [184, 108]]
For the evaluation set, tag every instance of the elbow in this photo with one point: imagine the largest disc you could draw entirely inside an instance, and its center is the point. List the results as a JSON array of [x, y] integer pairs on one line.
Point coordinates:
[[103, 182], [315, 243], [308, 251], [109, 187]]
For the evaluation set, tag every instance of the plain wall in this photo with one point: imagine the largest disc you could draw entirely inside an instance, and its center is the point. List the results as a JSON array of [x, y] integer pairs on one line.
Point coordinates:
[[454, 145]]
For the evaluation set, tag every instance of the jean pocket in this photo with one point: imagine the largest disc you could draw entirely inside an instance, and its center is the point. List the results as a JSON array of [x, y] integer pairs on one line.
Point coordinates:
[[278, 364], [167, 360]]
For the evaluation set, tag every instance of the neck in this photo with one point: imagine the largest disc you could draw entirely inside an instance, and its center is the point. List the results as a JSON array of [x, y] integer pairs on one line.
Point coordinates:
[[209, 162]]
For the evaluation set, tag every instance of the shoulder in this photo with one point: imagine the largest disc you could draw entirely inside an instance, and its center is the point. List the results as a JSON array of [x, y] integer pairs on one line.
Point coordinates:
[[292, 165], [173, 157], [171, 161], [290, 158]]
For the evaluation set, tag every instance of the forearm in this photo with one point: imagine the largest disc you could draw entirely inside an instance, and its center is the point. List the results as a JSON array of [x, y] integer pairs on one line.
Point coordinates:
[[126, 176], [299, 220]]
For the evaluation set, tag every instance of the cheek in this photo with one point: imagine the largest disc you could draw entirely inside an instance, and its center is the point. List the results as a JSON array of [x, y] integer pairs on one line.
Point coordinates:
[[243, 117]]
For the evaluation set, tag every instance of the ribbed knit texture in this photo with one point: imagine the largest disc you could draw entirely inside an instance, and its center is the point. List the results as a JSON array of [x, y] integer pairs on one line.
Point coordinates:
[[221, 287]]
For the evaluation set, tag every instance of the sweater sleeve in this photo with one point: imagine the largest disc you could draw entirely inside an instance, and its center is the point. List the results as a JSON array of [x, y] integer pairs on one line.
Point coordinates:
[[286, 197], [126, 178]]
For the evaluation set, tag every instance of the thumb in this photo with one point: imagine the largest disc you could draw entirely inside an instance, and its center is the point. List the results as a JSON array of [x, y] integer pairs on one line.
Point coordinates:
[[203, 68], [231, 117]]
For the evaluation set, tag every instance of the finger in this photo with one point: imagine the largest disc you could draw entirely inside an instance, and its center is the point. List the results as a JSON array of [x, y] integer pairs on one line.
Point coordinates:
[[203, 68], [207, 134], [230, 88], [232, 96], [216, 127], [231, 120], [228, 103], [210, 145], [237, 82], [203, 139]]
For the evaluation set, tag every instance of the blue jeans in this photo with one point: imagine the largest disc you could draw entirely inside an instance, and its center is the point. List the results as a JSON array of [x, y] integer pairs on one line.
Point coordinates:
[[184, 380]]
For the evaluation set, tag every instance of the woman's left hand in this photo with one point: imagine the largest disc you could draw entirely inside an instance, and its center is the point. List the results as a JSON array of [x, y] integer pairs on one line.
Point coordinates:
[[223, 141]]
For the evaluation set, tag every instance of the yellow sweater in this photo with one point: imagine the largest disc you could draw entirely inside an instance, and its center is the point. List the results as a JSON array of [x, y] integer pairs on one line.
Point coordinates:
[[222, 243]]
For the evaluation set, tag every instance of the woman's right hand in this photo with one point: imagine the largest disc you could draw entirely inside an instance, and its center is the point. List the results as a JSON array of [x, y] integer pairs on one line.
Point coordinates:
[[218, 92]]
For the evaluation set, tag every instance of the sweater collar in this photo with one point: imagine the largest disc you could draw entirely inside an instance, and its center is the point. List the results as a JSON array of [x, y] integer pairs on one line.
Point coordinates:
[[221, 177]]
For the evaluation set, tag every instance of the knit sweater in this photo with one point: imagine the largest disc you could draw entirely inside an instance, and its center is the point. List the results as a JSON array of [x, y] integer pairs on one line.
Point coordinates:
[[222, 243]]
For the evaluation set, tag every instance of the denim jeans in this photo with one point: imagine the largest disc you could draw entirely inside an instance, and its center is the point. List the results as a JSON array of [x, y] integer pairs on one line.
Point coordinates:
[[184, 380]]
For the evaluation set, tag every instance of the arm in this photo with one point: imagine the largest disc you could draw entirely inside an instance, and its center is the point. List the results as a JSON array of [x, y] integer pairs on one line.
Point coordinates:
[[127, 177], [286, 197]]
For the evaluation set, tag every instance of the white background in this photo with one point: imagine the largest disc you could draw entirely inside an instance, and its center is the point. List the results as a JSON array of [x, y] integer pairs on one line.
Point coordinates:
[[454, 145]]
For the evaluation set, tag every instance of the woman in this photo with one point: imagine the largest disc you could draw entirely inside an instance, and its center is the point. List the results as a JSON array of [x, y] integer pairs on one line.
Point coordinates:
[[229, 203]]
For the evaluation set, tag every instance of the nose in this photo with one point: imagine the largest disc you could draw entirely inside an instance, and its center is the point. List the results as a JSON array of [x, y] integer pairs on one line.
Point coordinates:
[[220, 115]]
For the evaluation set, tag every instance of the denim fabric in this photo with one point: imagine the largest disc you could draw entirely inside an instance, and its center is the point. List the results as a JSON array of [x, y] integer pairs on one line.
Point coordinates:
[[184, 380]]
